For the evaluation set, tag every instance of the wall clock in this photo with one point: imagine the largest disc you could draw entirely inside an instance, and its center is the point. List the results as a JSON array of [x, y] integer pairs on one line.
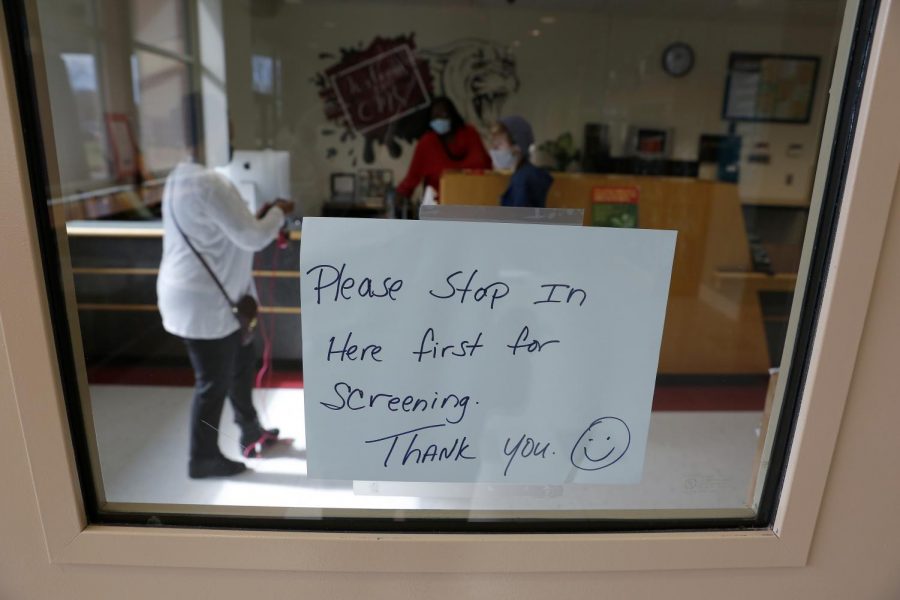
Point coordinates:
[[678, 59]]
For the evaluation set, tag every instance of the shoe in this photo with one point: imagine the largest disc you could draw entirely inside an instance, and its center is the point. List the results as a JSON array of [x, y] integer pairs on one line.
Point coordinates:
[[252, 445], [214, 467]]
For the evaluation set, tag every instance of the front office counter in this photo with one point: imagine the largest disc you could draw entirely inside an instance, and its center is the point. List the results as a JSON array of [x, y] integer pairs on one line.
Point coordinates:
[[114, 269], [714, 324]]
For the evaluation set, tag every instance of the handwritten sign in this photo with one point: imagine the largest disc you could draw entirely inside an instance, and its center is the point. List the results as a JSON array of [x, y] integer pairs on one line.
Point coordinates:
[[380, 89], [468, 352]]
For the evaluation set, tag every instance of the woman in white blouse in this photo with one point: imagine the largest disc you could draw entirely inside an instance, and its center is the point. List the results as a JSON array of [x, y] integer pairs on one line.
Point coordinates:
[[201, 205]]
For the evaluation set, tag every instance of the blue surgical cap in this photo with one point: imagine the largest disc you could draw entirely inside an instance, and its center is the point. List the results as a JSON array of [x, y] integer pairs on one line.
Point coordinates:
[[519, 131]]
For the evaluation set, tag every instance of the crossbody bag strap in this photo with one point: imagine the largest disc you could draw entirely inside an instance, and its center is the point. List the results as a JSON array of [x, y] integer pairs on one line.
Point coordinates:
[[202, 260]]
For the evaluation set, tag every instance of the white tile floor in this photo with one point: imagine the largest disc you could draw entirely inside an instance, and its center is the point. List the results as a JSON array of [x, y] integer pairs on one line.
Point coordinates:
[[694, 460]]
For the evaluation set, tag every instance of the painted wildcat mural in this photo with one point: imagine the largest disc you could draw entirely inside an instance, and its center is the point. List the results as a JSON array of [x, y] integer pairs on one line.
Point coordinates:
[[477, 75]]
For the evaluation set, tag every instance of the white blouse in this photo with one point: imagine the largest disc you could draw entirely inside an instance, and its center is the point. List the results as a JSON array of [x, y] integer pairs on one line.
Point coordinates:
[[221, 227]]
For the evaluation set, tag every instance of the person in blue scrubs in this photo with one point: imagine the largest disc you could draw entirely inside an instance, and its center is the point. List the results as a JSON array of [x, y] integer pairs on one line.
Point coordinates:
[[511, 139]]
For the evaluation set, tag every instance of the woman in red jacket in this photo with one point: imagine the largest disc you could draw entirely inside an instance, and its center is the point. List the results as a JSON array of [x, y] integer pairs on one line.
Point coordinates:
[[449, 143]]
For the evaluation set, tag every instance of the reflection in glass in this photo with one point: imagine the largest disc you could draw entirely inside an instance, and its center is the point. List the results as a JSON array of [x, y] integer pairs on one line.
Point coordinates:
[[161, 24], [344, 94], [166, 128]]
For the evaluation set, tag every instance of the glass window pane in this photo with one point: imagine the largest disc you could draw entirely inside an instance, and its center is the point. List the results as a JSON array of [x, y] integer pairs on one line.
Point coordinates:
[[81, 69], [165, 126], [628, 119], [74, 63], [161, 23]]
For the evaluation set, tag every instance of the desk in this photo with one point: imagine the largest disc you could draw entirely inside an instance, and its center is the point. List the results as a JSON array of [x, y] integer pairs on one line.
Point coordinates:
[[714, 324]]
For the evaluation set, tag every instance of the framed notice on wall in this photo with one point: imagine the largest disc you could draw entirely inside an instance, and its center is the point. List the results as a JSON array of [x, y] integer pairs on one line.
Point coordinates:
[[770, 87]]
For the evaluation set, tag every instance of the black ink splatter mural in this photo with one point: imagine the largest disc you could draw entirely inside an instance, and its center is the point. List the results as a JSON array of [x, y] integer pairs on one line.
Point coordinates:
[[378, 92], [381, 92]]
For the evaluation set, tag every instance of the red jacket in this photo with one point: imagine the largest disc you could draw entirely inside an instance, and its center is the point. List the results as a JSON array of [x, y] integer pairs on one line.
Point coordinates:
[[430, 158]]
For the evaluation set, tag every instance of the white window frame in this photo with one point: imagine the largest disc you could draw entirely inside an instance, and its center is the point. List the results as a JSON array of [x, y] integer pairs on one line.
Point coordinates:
[[35, 382]]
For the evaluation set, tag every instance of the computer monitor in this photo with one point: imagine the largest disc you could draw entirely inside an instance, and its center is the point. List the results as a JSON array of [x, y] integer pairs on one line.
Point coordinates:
[[260, 176], [649, 143]]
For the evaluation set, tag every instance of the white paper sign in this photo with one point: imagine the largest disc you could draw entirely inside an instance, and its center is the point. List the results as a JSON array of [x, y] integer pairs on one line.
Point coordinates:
[[480, 352]]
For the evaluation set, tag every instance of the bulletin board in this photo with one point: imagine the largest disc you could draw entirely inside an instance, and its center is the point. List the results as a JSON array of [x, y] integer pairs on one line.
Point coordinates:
[[770, 88]]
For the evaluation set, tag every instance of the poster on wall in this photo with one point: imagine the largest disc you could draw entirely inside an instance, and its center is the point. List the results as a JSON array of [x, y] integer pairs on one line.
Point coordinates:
[[615, 206], [526, 354]]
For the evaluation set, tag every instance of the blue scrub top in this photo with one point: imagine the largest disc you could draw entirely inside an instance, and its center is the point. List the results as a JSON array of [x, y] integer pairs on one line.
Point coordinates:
[[527, 187]]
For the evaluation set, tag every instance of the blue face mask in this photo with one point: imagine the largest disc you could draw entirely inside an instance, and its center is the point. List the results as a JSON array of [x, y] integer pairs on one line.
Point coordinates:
[[441, 126], [504, 159]]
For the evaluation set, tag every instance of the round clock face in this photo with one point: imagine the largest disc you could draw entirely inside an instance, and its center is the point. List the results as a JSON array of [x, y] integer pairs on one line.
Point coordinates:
[[678, 59]]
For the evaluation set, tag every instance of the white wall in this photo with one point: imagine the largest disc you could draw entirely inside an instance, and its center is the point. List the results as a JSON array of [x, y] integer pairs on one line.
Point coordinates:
[[586, 66]]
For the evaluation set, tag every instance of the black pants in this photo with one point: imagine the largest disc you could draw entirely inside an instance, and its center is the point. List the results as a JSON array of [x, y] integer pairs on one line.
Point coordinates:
[[222, 367]]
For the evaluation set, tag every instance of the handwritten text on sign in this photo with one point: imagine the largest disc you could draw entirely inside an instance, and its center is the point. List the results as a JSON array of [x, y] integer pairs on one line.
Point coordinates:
[[448, 351]]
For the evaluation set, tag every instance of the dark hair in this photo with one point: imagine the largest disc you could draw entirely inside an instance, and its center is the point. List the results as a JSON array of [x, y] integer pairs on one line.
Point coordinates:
[[456, 121]]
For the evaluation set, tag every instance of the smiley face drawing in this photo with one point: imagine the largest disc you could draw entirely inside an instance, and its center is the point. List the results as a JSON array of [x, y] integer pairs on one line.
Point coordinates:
[[602, 444]]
